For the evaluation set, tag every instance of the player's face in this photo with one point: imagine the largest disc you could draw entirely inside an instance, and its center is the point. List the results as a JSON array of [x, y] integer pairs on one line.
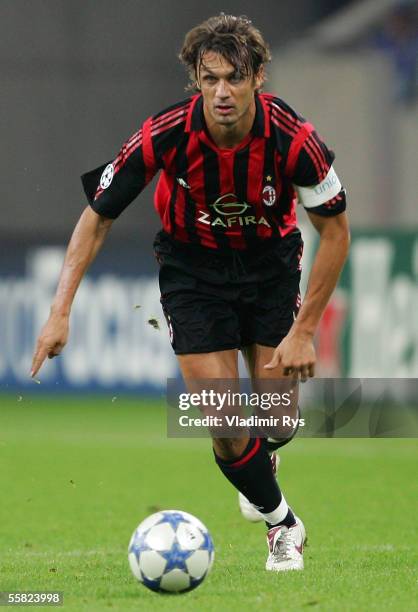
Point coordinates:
[[228, 96]]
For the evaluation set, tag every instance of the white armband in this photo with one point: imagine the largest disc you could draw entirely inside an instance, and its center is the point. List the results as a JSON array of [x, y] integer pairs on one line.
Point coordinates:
[[316, 195]]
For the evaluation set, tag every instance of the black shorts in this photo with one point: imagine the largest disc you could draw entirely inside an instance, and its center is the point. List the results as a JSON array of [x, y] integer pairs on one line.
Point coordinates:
[[217, 301]]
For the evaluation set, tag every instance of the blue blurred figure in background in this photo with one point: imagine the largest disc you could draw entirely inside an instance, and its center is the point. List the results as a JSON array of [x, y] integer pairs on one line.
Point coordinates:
[[398, 37]]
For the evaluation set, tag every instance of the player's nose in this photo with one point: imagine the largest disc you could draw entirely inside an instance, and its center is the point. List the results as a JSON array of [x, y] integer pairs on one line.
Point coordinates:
[[222, 89]]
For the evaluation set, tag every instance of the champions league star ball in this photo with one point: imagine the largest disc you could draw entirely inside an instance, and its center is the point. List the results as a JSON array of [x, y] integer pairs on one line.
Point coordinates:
[[171, 552]]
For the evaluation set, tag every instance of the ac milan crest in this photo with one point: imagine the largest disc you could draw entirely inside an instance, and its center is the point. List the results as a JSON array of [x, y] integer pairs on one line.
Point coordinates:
[[269, 195]]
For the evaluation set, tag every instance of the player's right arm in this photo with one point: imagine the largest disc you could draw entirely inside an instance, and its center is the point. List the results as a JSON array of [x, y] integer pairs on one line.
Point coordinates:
[[87, 238], [110, 188]]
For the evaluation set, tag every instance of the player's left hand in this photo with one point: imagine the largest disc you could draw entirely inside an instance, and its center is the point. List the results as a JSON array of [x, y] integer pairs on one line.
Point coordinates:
[[296, 355]]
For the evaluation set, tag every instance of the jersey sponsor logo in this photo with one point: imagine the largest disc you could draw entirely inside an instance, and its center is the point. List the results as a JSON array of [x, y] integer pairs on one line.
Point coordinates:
[[107, 176], [230, 212], [269, 195], [228, 204]]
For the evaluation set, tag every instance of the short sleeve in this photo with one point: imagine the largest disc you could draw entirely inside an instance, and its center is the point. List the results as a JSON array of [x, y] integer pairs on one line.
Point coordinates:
[[313, 176], [111, 187], [309, 159], [306, 160]]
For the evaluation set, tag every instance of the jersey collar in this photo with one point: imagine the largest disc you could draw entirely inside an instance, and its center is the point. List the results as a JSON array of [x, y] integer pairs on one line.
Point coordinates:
[[195, 121]]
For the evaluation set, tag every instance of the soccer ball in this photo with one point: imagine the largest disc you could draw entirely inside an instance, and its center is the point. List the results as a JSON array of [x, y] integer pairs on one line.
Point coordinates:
[[171, 552]]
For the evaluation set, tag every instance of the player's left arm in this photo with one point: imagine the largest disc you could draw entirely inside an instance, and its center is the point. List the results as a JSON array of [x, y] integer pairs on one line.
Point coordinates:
[[309, 167], [296, 352]]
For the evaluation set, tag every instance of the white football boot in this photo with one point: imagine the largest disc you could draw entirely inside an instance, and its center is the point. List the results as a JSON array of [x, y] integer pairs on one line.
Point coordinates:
[[248, 510], [286, 547]]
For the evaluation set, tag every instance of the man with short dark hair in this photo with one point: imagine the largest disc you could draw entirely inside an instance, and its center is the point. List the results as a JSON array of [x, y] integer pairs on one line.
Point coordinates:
[[234, 162]]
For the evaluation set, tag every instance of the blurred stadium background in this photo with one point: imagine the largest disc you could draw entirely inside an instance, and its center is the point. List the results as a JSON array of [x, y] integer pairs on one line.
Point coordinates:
[[81, 464], [77, 79]]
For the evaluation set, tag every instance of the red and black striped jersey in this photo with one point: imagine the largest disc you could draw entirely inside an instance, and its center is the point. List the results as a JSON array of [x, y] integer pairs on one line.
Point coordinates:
[[218, 198]]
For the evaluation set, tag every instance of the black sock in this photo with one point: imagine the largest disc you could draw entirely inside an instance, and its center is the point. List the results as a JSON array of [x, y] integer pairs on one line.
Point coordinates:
[[252, 475], [275, 443]]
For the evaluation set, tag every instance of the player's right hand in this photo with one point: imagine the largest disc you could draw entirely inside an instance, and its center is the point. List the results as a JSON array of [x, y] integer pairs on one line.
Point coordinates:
[[51, 341]]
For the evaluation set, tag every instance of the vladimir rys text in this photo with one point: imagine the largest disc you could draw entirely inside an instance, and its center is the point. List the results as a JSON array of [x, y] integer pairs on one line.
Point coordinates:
[[237, 421]]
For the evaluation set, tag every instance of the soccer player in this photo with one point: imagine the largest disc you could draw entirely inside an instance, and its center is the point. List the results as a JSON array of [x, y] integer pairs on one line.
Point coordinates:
[[233, 164]]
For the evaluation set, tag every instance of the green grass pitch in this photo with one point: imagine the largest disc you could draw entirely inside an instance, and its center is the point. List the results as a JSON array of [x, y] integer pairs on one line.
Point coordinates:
[[78, 474]]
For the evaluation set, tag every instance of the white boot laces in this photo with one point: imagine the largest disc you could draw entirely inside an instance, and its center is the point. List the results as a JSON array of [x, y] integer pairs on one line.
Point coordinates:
[[284, 546]]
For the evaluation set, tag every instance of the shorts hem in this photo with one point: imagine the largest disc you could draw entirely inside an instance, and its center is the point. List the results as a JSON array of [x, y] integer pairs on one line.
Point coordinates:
[[270, 344], [211, 350], [230, 347]]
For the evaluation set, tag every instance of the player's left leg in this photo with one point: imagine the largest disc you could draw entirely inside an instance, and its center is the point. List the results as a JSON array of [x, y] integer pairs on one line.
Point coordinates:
[[256, 356]]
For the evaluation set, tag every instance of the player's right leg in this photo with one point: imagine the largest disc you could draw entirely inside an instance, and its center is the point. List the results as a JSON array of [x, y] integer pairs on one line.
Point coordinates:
[[215, 369], [248, 510], [245, 462], [285, 541], [255, 356]]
